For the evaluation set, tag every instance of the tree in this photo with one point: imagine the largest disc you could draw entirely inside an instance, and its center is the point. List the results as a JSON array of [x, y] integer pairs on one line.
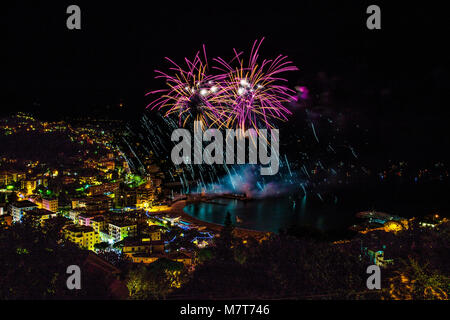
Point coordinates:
[[225, 242], [33, 266], [101, 246], [154, 281], [413, 281]]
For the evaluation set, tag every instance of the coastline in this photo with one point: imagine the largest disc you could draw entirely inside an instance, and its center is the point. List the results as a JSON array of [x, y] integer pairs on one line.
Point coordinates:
[[176, 210]]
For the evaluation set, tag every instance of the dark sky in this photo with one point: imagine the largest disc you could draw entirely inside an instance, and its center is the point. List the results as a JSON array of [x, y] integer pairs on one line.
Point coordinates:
[[120, 45], [53, 71]]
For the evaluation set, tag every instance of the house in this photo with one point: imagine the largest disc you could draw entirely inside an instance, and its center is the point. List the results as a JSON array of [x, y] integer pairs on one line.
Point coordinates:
[[181, 256], [83, 236], [50, 204], [122, 229], [74, 213], [146, 257], [153, 232], [140, 245], [98, 223], [84, 219], [18, 208]]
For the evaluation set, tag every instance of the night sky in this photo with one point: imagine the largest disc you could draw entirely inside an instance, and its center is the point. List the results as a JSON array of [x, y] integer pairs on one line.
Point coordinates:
[[396, 75]]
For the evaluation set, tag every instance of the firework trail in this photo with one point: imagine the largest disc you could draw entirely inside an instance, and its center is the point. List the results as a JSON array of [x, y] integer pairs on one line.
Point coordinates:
[[245, 92]]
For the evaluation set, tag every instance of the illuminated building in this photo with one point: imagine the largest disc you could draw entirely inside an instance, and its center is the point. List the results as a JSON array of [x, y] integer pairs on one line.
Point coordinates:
[[29, 185], [50, 204], [182, 257], [41, 180], [4, 178], [146, 257], [18, 208], [394, 226], [432, 220], [138, 246], [85, 237], [85, 219], [144, 196], [126, 198], [98, 223], [120, 230], [74, 213], [7, 177], [99, 203], [103, 188], [107, 165], [152, 233]]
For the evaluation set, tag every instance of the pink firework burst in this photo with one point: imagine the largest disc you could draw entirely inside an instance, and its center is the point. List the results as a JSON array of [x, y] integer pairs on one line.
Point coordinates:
[[255, 93], [236, 96], [191, 92]]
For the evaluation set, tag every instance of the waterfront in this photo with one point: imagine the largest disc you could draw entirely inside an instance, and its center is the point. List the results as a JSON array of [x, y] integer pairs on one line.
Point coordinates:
[[336, 213]]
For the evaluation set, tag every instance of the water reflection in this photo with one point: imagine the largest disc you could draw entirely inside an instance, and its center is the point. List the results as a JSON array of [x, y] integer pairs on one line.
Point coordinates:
[[270, 214]]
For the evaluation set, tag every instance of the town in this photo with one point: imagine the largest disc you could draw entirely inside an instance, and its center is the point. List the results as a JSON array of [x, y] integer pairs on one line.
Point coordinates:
[[86, 195]]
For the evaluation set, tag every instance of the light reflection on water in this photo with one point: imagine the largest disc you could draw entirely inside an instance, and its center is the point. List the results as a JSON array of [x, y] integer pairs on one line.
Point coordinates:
[[337, 212], [270, 214]]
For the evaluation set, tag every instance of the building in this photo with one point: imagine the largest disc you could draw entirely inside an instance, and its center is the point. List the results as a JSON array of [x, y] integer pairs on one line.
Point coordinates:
[[146, 257], [40, 214], [99, 203], [74, 213], [50, 204], [98, 223], [18, 208], [103, 188], [152, 233], [120, 230], [182, 257], [83, 236], [131, 246], [7, 177], [29, 185], [145, 195], [432, 220], [126, 197], [84, 219]]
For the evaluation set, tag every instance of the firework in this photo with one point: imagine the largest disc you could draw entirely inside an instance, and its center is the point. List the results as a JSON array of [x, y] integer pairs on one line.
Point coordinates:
[[237, 96], [255, 93], [191, 93]]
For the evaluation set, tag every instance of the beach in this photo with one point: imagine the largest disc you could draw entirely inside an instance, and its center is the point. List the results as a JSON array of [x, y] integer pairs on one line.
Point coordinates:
[[176, 210]]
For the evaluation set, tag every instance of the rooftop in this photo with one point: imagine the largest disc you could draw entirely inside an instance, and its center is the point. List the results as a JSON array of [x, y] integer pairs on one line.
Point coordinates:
[[122, 224], [23, 204], [40, 212], [78, 228]]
